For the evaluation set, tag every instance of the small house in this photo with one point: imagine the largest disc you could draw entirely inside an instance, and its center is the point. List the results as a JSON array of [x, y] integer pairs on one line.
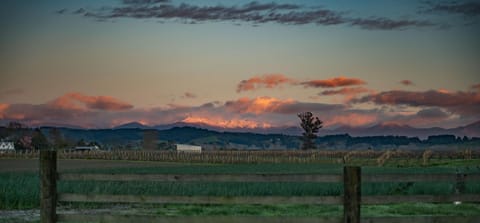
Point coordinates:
[[6, 146], [188, 148], [86, 148]]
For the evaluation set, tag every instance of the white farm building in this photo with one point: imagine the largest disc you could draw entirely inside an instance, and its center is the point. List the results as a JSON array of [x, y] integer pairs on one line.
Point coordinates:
[[7, 146], [188, 148]]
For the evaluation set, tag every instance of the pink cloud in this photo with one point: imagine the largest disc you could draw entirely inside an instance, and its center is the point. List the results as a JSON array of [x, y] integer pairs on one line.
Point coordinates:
[[333, 82], [3, 108], [258, 105], [78, 101], [267, 81], [257, 112]]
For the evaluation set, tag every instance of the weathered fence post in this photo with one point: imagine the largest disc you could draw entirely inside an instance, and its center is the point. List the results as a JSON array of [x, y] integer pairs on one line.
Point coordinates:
[[48, 186], [352, 194], [460, 183]]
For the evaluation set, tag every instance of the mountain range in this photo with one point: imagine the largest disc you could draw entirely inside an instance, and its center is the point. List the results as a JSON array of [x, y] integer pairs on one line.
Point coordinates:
[[471, 130]]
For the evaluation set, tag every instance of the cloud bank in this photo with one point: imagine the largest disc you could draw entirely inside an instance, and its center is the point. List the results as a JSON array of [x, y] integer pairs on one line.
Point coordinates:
[[470, 8], [364, 107], [252, 12], [460, 102]]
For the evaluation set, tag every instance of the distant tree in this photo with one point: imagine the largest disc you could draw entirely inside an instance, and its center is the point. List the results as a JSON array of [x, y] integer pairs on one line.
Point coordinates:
[[16, 125], [150, 139], [58, 142], [14, 131], [81, 142], [39, 141], [310, 125]]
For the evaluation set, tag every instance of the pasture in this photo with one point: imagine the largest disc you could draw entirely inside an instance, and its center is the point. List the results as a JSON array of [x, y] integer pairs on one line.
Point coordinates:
[[19, 188]]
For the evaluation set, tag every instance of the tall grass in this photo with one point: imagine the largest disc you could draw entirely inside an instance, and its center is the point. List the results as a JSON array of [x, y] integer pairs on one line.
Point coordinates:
[[21, 190], [280, 156]]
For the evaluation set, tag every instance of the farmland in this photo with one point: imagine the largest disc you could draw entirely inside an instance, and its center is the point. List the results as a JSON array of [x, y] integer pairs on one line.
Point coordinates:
[[19, 186]]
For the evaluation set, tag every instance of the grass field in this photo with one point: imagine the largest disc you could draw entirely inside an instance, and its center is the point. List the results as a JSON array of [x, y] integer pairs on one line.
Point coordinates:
[[20, 190]]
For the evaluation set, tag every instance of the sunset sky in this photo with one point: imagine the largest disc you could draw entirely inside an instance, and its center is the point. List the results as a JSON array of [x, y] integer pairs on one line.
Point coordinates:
[[248, 64]]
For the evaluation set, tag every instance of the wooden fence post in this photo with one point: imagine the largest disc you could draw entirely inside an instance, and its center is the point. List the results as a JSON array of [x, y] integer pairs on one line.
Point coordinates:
[[48, 186], [352, 194], [460, 183]]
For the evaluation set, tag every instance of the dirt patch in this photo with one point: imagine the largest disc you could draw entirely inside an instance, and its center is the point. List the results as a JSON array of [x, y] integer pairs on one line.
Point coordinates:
[[33, 215]]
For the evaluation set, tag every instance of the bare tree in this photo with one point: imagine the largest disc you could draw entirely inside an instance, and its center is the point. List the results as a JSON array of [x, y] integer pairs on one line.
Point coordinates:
[[310, 125]]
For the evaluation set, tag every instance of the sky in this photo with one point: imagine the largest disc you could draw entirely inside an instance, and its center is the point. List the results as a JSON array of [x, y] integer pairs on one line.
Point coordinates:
[[240, 64]]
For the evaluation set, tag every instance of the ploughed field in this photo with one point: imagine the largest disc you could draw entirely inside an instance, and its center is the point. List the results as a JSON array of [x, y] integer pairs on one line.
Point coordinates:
[[19, 187]]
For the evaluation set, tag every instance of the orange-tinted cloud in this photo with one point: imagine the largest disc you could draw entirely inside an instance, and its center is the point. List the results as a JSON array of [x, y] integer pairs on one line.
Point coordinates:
[[267, 81], [77, 101], [3, 108], [333, 82], [257, 105], [224, 123], [407, 82], [270, 105]]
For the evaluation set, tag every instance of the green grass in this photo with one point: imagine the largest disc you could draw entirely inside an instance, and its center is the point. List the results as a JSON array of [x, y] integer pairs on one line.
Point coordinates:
[[248, 210], [317, 210], [295, 210], [21, 190], [322, 168]]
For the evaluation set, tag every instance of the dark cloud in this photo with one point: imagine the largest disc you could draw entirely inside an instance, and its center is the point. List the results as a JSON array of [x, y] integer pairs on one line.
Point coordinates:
[[460, 8], [430, 113], [378, 23], [298, 107], [333, 82], [189, 95], [345, 91], [61, 11], [407, 82], [457, 102], [10, 92], [80, 11], [143, 2], [253, 12], [476, 87]]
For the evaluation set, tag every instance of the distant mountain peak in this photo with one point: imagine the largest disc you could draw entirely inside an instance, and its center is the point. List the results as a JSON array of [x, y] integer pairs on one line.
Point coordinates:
[[131, 125], [392, 125]]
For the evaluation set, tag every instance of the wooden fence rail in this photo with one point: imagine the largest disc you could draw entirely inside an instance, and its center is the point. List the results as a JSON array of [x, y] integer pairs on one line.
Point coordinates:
[[270, 156], [351, 199]]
